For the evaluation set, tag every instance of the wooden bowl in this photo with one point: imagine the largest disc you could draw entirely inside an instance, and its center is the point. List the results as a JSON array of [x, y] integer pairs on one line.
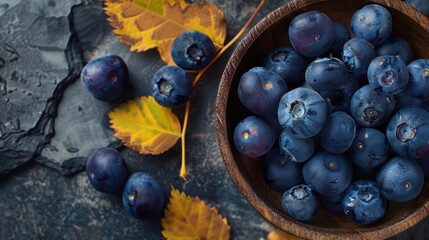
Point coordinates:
[[247, 173]]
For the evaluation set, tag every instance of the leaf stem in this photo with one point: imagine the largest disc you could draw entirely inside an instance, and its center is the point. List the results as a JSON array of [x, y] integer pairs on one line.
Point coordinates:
[[183, 171]]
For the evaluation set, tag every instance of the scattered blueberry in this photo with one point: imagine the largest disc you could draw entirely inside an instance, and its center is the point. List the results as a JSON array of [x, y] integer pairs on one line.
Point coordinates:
[[171, 86], [299, 149], [312, 33], [357, 55], [363, 202], [300, 203], [373, 23], [388, 74], [106, 170], [397, 47], [192, 50], [105, 78], [302, 112], [254, 137], [326, 74], [418, 84], [281, 172], [287, 63], [370, 148], [370, 108], [400, 179], [327, 173], [260, 91], [142, 196], [408, 132]]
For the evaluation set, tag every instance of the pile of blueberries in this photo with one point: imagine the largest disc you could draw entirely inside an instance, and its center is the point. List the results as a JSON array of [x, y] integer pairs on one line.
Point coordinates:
[[340, 122], [106, 79]]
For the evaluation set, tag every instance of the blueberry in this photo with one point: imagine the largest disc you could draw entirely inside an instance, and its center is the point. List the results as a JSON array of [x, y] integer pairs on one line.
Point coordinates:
[[299, 149], [338, 134], [400, 179], [106, 170], [254, 137], [373, 23], [388, 74], [333, 203], [398, 47], [339, 99], [408, 132], [105, 78], [370, 108], [288, 63], [418, 84], [260, 91], [363, 202], [281, 172], [300, 202], [357, 55], [302, 112], [142, 196], [421, 5], [328, 174], [370, 148], [341, 37], [192, 50], [171, 86], [326, 73], [312, 33]]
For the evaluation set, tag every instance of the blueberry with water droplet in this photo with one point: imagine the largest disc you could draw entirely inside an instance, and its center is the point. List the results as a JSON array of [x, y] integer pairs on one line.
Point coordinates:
[[418, 84], [298, 149], [300, 203]]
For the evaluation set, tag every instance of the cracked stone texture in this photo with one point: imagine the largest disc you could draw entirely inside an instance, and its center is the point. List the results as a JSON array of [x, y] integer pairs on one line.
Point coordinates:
[[47, 117]]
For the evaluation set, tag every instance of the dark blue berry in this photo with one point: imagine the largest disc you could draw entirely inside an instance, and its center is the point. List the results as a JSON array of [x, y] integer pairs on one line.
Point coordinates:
[[408, 132], [338, 134], [281, 172], [192, 50], [370, 108], [300, 203], [105, 78], [341, 37], [388, 74], [302, 112], [260, 91], [254, 137], [171, 86], [357, 55], [312, 33], [363, 202], [106, 170], [327, 173], [142, 196], [370, 148], [287, 63], [299, 149], [418, 84], [326, 74], [400, 179], [398, 47], [373, 23]]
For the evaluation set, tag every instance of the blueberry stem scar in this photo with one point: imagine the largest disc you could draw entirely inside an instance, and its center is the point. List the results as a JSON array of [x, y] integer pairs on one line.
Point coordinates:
[[183, 170]]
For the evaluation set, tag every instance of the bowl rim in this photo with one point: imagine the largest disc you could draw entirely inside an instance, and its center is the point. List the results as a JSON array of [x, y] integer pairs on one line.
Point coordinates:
[[292, 226]]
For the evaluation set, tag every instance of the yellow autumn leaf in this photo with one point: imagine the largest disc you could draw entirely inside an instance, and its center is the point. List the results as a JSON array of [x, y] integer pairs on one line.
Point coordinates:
[[190, 218], [145, 126], [146, 24], [280, 235]]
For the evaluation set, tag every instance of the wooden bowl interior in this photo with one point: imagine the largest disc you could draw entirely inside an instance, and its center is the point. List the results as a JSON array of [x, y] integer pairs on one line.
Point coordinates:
[[271, 32]]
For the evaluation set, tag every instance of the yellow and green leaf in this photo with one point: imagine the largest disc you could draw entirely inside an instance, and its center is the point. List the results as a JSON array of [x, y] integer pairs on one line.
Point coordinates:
[[145, 126], [190, 218], [146, 24]]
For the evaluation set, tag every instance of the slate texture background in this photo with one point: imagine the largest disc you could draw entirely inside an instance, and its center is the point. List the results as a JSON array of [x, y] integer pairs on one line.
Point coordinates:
[[48, 119]]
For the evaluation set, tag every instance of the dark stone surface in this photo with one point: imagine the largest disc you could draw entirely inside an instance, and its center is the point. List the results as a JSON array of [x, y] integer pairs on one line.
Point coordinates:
[[47, 117]]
